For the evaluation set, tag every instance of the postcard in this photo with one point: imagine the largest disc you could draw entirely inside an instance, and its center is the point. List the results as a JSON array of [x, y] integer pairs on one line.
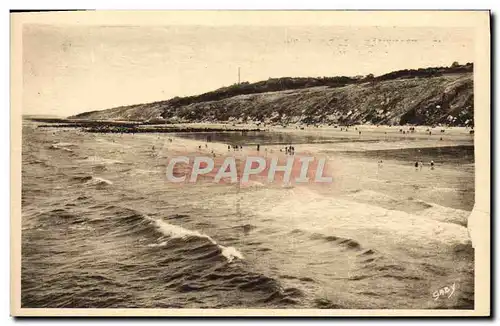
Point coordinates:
[[250, 163]]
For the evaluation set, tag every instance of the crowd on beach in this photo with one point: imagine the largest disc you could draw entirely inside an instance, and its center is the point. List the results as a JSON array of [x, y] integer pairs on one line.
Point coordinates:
[[290, 150], [419, 165]]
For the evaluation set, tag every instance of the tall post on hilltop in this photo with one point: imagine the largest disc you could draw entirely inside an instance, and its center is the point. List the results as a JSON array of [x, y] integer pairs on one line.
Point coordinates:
[[239, 75]]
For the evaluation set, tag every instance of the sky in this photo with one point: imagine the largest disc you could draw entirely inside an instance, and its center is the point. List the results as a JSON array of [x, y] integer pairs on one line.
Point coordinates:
[[68, 69]]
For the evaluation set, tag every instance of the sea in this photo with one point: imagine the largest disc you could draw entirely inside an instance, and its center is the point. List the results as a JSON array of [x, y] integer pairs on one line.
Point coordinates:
[[102, 227]]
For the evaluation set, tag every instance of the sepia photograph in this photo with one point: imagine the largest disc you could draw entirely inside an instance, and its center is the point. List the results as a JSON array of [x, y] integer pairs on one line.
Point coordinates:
[[250, 163]]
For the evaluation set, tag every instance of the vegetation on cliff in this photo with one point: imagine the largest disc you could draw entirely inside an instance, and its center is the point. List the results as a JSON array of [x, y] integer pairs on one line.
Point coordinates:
[[441, 95]]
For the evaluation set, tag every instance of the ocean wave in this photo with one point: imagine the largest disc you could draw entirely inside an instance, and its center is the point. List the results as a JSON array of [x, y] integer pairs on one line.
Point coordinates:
[[176, 232], [445, 214], [413, 206], [92, 180], [140, 171], [346, 243], [56, 217], [100, 160], [386, 201], [62, 146], [352, 218], [128, 222]]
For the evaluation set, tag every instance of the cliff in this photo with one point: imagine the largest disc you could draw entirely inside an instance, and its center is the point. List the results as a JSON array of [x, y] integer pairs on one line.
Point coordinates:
[[428, 96]]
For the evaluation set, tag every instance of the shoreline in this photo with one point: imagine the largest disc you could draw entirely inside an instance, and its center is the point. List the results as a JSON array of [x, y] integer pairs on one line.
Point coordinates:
[[64, 122], [324, 133], [356, 138]]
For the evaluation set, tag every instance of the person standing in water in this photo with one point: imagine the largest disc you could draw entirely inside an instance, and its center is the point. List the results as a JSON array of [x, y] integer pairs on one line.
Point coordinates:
[[416, 165], [432, 165]]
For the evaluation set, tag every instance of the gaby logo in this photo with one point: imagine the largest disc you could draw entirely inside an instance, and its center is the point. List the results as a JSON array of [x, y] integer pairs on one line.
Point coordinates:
[[297, 169], [446, 291]]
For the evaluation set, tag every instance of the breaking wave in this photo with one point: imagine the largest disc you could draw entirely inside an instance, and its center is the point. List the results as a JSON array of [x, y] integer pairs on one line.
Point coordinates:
[[92, 180], [177, 232]]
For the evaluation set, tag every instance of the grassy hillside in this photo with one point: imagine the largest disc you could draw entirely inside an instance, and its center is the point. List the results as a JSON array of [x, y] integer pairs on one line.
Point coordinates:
[[424, 96]]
